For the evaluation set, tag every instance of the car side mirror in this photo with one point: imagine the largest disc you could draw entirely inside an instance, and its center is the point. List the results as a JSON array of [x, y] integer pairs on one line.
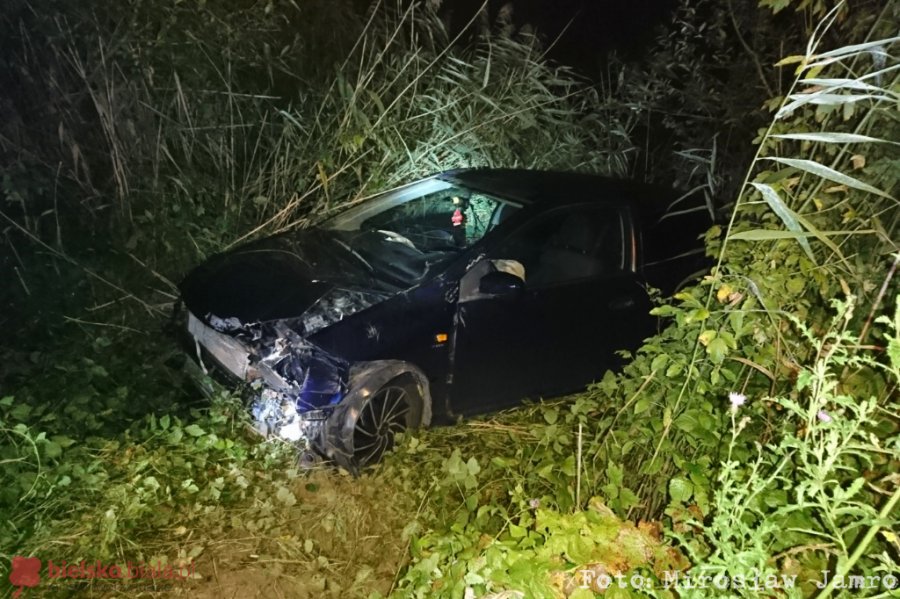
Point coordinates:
[[502, 284]]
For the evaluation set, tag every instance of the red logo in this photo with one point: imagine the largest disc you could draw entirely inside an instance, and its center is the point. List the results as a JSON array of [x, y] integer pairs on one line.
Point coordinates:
[[26, 572]]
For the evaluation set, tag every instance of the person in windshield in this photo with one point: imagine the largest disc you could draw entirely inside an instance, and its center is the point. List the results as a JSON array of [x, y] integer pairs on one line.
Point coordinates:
[[458, 220]]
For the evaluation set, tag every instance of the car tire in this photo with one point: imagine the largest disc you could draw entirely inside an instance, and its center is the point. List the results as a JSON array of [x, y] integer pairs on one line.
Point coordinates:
[[394, 408]]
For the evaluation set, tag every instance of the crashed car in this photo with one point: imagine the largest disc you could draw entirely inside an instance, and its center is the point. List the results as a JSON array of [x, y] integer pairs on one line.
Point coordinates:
[[458, 294]]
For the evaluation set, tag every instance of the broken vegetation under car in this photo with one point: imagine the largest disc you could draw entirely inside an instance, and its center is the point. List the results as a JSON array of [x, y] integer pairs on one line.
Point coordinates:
[[301, 393]]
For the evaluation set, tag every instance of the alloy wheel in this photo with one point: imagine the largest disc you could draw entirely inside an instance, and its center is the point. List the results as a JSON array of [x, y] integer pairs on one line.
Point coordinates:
[[382, 417]]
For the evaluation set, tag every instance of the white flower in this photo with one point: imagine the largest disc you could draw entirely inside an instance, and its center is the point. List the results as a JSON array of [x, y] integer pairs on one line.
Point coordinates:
[[737, 400]]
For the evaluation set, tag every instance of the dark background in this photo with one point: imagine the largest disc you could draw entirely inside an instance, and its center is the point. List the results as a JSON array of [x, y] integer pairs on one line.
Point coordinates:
[[581, 31]]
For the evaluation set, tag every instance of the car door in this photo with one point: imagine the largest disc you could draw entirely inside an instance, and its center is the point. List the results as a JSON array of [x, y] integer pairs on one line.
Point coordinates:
[[580, 302]]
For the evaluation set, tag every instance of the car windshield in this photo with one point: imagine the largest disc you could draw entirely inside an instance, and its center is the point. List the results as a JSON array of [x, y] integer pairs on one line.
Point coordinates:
[[432, 214], [402, 233]]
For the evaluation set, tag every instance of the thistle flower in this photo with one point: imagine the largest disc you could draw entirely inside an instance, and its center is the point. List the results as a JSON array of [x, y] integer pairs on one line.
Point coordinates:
[[737, 400], [823, 416]]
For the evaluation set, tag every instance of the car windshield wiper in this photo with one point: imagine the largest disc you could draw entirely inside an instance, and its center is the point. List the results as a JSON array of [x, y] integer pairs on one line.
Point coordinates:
[[354, 252]]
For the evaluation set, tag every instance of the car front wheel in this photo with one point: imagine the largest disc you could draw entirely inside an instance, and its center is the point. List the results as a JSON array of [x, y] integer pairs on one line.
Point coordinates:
[[394, 408]]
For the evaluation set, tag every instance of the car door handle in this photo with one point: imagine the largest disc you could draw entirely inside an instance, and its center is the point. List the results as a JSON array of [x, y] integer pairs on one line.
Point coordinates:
[[621, 303]]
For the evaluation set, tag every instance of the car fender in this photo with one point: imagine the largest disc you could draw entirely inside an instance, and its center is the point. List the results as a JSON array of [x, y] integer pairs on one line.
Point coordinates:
[[365, 379]]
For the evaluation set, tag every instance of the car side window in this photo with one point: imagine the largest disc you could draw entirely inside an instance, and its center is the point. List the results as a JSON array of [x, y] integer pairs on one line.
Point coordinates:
[[566, 245]]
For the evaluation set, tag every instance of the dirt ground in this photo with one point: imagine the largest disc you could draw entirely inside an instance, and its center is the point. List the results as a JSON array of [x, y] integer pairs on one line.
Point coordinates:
[[342, 538]]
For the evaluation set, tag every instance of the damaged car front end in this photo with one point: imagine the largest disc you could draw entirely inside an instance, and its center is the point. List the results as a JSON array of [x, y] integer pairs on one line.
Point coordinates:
[[258, 314], [301, 394], [292, 377]]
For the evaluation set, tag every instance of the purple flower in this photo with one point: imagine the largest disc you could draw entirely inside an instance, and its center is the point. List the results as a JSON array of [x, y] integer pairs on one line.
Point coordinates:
[[737, 400], [823, 416], [534, 503]]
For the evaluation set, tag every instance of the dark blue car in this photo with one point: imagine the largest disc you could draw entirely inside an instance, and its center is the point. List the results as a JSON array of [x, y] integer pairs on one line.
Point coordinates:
[[458, 294]]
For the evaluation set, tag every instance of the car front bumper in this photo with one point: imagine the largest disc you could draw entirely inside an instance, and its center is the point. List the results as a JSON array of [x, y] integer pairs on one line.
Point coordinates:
[[327, 430]]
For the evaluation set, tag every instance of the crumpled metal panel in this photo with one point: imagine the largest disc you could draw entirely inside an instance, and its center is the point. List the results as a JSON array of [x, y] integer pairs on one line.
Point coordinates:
[[228, 351], [294, 379], [314, 378], [336, 305]]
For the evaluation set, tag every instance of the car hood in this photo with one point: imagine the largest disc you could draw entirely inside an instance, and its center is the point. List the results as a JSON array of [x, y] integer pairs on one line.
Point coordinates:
[[308, 274]]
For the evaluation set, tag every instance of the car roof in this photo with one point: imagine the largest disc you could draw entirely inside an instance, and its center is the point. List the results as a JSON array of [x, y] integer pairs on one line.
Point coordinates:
[[530, 186], [671, 221]]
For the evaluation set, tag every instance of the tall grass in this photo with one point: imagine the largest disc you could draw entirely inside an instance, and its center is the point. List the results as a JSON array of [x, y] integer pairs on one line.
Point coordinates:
[[409, 101], [255, 133]]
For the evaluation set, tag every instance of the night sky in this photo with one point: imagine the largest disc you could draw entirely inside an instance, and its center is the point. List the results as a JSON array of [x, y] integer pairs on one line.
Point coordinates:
[[590, 28]]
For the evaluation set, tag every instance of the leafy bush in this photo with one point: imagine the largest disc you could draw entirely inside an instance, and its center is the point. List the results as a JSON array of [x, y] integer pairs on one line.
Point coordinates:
[[775, 485]]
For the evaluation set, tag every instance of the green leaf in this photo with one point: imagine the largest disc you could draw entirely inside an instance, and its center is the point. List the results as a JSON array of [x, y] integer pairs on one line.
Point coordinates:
[[568, 466], [63, 441], [786, 215], [830, 174], [794, 58], [771, 234], [831, 137], [175, 436], [615, 473], [580, 549], [659, 361], [777, 6], [629, 498], [853, 489], [501, 462], [551, 415], [20, 411], [642, 405], [680, 489], [674, 369], [717, 350], [696, 315], [824, 99], [893, 352], [834, 83], [194, 430], [854, 49], [52, 449], [707, 336], [611, 491]]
